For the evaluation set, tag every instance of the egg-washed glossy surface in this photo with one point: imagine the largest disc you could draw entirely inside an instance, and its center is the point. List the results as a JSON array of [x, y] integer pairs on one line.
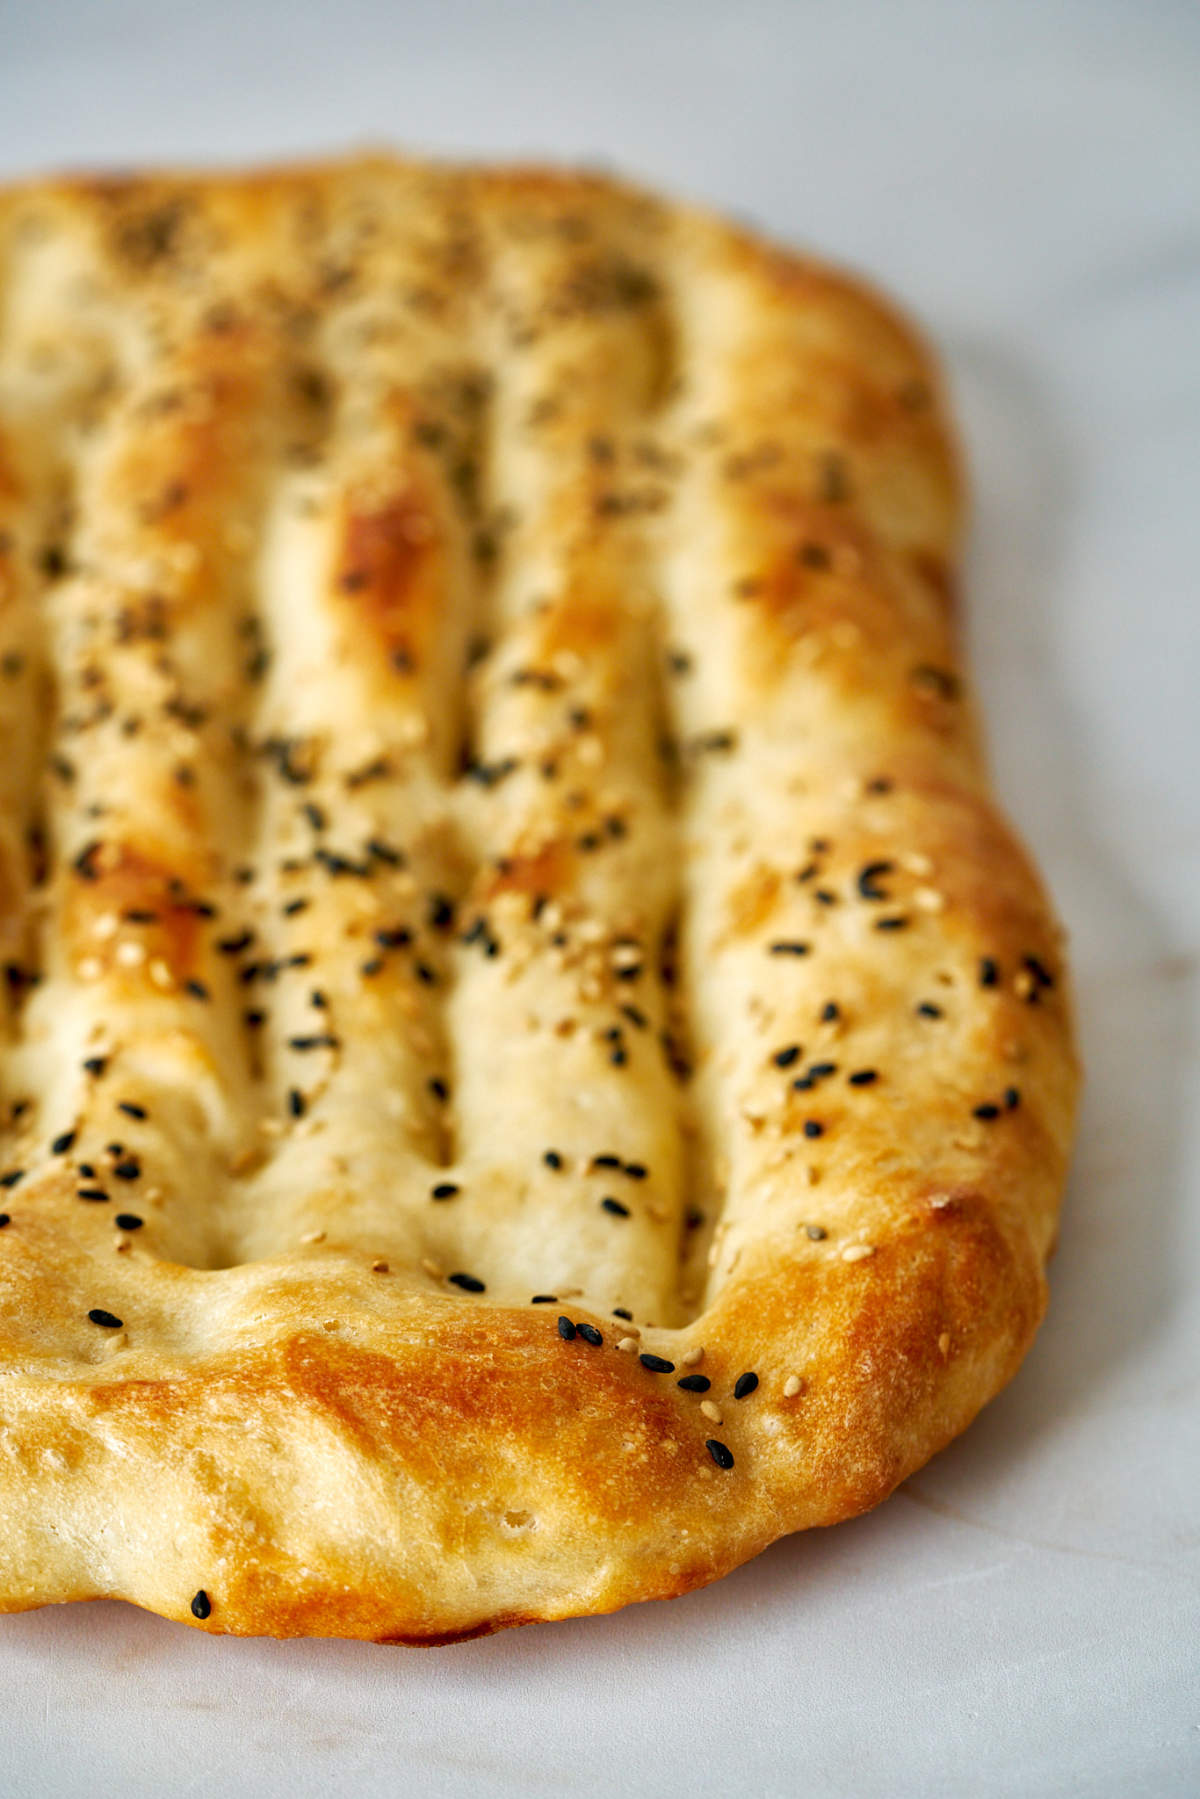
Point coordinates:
[[502, 909]]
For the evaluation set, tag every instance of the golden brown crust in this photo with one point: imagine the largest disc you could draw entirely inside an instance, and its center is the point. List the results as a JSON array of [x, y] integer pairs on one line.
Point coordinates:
[[489, 809]]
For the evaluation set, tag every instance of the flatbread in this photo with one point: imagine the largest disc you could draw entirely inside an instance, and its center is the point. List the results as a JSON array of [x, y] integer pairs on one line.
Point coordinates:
[[532, 1064]]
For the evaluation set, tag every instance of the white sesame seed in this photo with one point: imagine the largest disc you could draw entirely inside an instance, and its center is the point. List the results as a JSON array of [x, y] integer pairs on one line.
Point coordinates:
[[690, 1357], [313, 1237], [106, 926], [711, 1412], [160, 973], [628, 1344], [944, 1344], [90, 968], [857, 1252], [928, 899], [792, 1385], [431, 1268], [131, 953]]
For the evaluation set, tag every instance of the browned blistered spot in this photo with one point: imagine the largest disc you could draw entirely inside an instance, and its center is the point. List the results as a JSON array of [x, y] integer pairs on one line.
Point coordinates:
[[583, 622], [751, 902], [386, 572], [130, 879], [546, 870], [936, 573]]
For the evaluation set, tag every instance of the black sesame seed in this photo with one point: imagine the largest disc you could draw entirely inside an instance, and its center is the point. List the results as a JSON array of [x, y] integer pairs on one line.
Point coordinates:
[[1012, 1098], [897, 922], [63, 1143], [863, 1077], [817, 1232], [95, 1064], [789, 949], [694, 1383], [11, 1177], [128, 1169], [803, 1083], [552, 1159], [566, 1329], [444, 1190], [93, 1193], [720, 1453], [656, 1364], [986, 1111], [197, 989], [590, 1334], [637, 1171], [927, 1009], [297, 1104], [606, 1161], [201, 1605], [5, 1219], [393, 936], [322, 1040], [1039, 971], [812, 1128], [868, 880], [108, 1319], [618, 1057], [544, 1299], [425, 974], [744, 1385], [468, 1282], [783, 1058], [830, 1011], [820, 1071], [233, 946], [609, 1204], [989, 973], [622, 1312], [128, 1221]]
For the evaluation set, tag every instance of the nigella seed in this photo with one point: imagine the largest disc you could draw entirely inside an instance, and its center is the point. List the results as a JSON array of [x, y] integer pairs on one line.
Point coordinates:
[[545, 1299], [721, 1454], [552, 1159], [444, 1190], [656, 1364], [694, 1383], [744, 1385], [201, 1605], [566, 1329], [106, 1319], [590, 1334], [830, 1011]]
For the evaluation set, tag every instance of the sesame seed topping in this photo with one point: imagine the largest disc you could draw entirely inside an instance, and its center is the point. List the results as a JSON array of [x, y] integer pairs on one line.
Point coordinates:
[[590, 1334], [813, 1128], [656, 1364], [817, 1232], [201, 1605], [792, 1385], [857, 1252], [1012, 1098], [444, 1190], [628, 1344], [691, 1357], [5, 1219], [297, 1104], [783, 1058], [744, 1385], [609, 1204], [694, 1383], [868, 880], [863, 1077], [566, 1329], [927, 1009], [63, 1143], [468, 1282], [106, 1319], [128, 1169], [989, 973], [789, 947], [721, 1454], [128, 1221], [93, 1193], [552, 1159], [712, 1411], [987, 1111]]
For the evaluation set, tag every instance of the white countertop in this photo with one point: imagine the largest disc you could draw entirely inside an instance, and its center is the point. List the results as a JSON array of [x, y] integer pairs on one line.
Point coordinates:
[[1024, 1617]]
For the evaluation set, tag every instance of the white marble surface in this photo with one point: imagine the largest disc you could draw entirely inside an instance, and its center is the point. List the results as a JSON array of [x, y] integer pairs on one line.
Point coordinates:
[[1024, 1618]]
